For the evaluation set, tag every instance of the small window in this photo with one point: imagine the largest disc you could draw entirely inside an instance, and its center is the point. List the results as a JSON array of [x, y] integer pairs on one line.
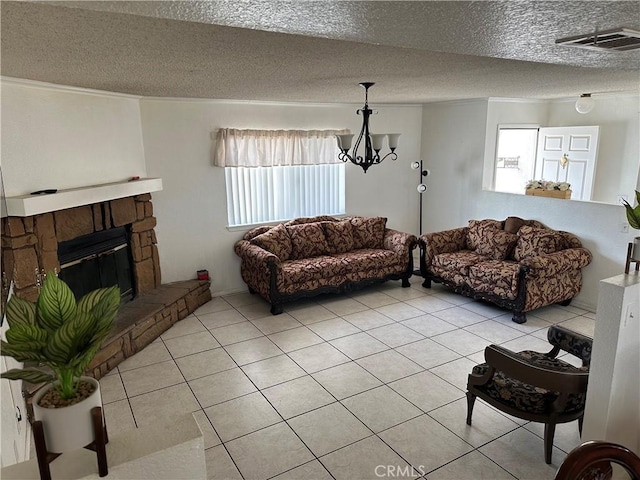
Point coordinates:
[[270, 194], [515, 158]]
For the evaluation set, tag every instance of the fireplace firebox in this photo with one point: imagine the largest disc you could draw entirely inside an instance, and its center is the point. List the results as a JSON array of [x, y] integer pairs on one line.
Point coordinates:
[[98, 260]]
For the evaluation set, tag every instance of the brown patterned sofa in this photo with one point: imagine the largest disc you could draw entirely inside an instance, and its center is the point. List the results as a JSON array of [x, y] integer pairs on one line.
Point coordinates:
[[517, 264], [309, 256]]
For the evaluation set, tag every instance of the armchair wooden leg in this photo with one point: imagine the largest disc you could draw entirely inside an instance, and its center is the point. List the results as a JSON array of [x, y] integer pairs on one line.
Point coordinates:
[[519, 317], [405, 283], [471, 400], [276, 309], [549, 432], [426, 283]]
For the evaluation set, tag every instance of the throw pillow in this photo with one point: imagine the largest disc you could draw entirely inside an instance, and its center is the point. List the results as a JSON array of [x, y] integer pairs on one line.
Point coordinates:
[[339, 236], [513, 224], [275, 240], [479, 230], [534, 241], [368, 232], [497, 244], [307, 240]]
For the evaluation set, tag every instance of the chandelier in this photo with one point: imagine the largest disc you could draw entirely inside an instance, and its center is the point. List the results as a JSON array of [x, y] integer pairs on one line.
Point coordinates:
[[372, 142]]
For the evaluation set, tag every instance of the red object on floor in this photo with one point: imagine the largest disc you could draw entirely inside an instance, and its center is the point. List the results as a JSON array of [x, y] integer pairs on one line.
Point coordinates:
[[203, 274]]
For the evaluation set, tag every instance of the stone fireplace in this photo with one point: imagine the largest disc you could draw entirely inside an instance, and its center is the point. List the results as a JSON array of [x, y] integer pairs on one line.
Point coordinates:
[[30, 244], [33, 244]]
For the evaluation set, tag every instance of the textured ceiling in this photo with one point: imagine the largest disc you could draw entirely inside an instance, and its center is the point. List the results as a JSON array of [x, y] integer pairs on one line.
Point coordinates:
[[318, 51]]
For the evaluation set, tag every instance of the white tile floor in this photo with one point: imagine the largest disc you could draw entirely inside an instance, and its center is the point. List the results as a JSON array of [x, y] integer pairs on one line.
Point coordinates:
[[361, 386]]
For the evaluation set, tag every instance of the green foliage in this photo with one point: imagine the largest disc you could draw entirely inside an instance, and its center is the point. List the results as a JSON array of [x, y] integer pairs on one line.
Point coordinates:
[[633, 214], [58, 332]]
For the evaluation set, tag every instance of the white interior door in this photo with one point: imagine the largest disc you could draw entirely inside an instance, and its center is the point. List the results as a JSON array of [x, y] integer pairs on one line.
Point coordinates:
[[579, 146]]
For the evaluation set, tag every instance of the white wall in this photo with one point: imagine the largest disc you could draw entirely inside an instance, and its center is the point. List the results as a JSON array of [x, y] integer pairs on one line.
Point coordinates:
[[453, 145], [453, 137], [57, 137], [191, 209]]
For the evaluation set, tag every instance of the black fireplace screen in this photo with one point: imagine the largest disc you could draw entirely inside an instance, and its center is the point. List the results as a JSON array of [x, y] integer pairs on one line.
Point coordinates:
[[100, 259]]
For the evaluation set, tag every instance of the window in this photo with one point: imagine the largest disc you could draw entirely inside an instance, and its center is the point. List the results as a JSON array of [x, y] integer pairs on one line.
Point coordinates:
[[274, 175], [515, 158], [268, 194]]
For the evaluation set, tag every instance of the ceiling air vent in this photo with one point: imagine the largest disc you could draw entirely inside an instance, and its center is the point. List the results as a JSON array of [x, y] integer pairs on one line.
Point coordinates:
[[619, 39]]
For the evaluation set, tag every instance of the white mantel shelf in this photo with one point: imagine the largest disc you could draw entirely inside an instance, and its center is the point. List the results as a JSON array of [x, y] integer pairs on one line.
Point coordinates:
[[27, 205]]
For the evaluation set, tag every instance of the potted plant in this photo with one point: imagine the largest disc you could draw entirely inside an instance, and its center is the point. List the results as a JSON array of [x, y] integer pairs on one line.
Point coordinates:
[[544, 188], [64, 336], [633, 216]]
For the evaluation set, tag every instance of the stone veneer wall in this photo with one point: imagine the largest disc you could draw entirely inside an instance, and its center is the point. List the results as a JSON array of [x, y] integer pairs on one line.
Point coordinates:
[[30, 244]]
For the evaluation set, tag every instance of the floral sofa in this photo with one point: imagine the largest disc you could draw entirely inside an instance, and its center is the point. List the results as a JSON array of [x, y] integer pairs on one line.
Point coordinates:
[[517, 264], [309, 256]]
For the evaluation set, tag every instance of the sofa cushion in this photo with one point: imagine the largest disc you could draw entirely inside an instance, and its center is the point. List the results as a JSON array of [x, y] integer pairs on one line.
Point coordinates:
[[366, 259], [513, 224], [534, 241], [307, 240], [275, 240], [499, 277], [306, 269], [339, 236], [497, 244], [479, 231], [368, 232], [458, 262]]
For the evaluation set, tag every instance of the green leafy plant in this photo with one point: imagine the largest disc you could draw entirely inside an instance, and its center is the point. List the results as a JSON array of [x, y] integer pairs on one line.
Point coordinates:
[[633, 214], [58, 332]]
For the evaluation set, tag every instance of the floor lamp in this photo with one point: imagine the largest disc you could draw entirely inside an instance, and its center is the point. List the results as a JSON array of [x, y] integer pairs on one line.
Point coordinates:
[[421, 186], [421, 189]]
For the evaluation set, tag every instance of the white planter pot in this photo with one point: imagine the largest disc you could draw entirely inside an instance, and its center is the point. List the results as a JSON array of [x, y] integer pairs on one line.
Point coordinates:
[[635, 253], [68, 428]]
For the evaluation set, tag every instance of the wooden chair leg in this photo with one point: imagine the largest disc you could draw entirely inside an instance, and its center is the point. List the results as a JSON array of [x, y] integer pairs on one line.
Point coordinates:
[[41, 450], [471, 400], [549, 432], [580, 422], [100, 440]]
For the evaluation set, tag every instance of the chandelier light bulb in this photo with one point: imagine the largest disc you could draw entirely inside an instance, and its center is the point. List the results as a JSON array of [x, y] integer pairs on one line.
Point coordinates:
[[585, 103]]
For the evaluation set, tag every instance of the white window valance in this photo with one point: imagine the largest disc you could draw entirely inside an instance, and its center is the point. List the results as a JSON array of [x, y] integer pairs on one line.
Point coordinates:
[[275, 148]]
